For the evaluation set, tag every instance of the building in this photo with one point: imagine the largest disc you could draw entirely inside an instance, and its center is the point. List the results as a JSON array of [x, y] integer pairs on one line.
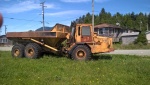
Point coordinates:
[[128, 38], [4, 41], [148, 36], [113, 31]]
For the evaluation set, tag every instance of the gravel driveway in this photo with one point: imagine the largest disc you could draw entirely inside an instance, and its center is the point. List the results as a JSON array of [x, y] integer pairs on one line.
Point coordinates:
[[124, 52], [132, 52], [6, 48]]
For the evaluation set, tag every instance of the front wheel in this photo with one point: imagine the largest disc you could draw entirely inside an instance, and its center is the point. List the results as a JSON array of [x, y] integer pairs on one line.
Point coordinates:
[[81, 52]]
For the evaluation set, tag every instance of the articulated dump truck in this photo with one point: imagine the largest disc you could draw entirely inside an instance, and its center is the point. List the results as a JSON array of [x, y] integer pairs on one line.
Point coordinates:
[[79, 44]]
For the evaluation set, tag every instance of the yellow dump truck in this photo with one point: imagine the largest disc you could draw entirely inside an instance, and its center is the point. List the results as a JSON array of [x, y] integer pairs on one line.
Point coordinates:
[[80, 43]]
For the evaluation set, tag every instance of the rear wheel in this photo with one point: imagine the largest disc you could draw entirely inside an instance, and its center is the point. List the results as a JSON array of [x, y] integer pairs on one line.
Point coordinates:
[[18, 51], [81, 52], [32, 50]]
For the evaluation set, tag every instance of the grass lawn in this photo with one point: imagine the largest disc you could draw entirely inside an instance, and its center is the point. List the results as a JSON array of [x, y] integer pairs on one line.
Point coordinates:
[[55, 70]]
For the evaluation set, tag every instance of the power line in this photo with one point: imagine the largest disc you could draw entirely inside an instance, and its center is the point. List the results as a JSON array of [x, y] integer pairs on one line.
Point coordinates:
[[25, 23], [21, 19]]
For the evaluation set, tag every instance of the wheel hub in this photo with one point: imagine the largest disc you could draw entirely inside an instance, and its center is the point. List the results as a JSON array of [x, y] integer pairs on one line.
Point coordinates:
[[17, 52], [81, 54], [30, 52]]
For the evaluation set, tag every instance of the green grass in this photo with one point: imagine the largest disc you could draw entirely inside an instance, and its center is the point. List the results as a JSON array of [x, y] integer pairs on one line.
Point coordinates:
[[54, 70]]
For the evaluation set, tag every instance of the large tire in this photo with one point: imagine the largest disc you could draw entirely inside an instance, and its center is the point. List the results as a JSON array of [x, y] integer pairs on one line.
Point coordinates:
[[81, 52], [18, 51], [32, 50]]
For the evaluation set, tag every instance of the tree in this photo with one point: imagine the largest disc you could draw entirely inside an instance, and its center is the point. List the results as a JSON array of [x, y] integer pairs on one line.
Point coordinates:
[[118, 18], [73, 23], [130, 20], [141, 39], [149, 20], [88, 18], [102, 16], [96, 19], [133, 16]]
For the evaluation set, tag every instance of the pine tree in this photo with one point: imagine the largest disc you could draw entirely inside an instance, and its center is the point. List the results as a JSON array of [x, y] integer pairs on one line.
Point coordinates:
[[141, 39], [88, 18], [102, 16], [149, 21], [129, 20]]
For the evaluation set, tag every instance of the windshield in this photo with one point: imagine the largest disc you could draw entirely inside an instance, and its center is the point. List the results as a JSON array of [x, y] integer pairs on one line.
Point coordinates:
[[86, 30]]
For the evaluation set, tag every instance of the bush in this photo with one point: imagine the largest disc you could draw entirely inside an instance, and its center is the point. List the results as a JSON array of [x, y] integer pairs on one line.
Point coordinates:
[[141, 39]]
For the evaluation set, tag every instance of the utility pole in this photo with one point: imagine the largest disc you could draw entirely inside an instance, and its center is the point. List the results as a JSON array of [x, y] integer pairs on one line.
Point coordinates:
[[42, 4], [93, 15], [0, 31], [5, 29], [140, 25]]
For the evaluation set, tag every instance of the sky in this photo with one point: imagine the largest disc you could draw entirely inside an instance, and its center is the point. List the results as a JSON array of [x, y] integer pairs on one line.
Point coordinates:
[[25, 15]]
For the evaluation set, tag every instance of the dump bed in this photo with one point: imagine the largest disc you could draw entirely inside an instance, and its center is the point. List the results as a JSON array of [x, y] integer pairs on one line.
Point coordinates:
[[35, 34], [53, 37]]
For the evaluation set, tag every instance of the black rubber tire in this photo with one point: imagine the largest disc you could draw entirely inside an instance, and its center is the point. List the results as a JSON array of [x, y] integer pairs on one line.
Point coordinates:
[[18, 51], [32, 51], [81, 52]]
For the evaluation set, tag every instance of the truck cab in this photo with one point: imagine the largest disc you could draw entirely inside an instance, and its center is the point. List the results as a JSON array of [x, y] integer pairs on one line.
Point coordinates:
[[83, 42], [83, 33]]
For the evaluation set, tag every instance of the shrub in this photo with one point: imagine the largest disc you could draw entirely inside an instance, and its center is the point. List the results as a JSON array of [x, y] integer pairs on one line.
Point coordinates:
[[141, 39]]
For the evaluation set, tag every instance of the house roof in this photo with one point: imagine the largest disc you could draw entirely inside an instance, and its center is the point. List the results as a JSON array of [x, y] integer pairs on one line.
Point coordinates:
[[130, 34], [106, 25]]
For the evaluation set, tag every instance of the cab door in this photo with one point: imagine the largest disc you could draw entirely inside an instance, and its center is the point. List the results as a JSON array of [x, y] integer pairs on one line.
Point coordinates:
[[86, 34]]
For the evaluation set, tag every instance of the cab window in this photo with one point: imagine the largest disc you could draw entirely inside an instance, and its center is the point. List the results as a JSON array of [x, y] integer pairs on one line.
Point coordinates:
[[86, 31]]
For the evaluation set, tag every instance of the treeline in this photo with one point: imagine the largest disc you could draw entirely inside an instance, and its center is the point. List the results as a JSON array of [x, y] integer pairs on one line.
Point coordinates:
[[139, 21]]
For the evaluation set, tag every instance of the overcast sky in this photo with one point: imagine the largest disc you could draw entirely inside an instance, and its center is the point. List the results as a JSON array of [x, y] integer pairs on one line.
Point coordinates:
[[24, 15]]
